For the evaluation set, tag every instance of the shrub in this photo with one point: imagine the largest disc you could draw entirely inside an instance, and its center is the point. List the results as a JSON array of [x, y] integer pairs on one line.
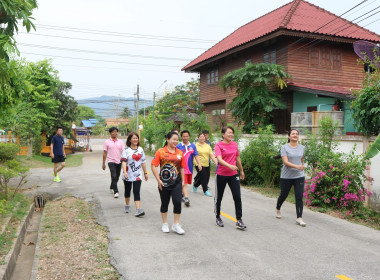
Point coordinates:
[[8, 151], [337, 179], [257, 159]]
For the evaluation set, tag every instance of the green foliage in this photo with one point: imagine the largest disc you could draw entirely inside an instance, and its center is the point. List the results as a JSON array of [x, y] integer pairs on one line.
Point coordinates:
[[257, 159], [194, 125], [255, 100], [84, 113], [374, 149], [182, 97], [337, 179], [154, 131], [8, 151], [126, 113]]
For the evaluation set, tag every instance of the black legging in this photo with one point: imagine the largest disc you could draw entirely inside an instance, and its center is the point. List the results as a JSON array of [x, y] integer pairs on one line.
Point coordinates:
[[176, 194], [115, 169], [234, 184], [136, 189], [286, 185], [202, 177]]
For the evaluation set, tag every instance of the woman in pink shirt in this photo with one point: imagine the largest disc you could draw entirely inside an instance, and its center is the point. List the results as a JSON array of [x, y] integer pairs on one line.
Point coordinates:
[[227, 153]]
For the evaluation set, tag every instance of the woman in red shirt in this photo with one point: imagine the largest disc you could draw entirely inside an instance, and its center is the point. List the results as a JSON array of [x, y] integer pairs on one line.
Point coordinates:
[[227, 153], [170, 180]]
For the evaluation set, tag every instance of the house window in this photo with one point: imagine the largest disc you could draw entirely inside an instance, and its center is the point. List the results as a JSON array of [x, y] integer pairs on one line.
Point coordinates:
[[270, 55], [212, 77], [325, 57], [218, 112]]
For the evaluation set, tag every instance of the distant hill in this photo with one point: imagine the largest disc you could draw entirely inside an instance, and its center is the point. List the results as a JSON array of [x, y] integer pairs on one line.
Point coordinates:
[[111, 106]]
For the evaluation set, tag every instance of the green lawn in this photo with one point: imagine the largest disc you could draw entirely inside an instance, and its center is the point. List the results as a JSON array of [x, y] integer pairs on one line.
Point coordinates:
[[38, 161]]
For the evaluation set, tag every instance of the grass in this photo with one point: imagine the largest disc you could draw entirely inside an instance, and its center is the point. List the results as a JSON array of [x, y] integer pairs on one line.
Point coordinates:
[[82, 250], [273, 192], [38, 161], [17, 208]]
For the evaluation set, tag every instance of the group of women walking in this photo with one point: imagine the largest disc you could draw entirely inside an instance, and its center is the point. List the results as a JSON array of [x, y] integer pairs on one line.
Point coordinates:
[[176, 159]]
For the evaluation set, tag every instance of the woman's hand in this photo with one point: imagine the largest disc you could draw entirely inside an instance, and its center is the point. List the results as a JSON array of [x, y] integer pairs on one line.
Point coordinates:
[[160, 184], [242, 175], [300, 167], [125, 176], [200, 168], [146, 176], [233, 167]]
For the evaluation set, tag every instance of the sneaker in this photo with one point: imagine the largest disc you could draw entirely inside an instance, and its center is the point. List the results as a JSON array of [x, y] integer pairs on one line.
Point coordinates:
[[111, 191], [126, 209], [219, 222], [57, 179], [278, 214], [240, 225], [178, 229], [139, 213], [116, 195], [187, 201], [300, 222], [195, 189], [207, 193], [183, 198], [165, 227]]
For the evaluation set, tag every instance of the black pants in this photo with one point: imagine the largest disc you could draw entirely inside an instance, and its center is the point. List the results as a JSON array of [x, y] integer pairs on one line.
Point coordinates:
[[202, 177], [286, 185], [176, 195], [136, 189], [115, 169], [234, 184]]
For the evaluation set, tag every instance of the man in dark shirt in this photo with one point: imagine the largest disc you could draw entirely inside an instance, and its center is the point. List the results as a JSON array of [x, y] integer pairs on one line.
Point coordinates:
[[58, 154]]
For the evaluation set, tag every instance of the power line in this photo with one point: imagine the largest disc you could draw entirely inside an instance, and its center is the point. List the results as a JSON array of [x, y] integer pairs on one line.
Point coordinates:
[[112, 42], [103, 53], [122, 34], [101, 60]]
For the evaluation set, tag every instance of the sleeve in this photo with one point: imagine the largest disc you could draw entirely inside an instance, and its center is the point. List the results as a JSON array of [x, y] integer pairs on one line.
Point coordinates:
[[283, 151], [105, 147], [124, 155], [218, 152], [195, 150], [156, 160], [143, 159], [53, 140]]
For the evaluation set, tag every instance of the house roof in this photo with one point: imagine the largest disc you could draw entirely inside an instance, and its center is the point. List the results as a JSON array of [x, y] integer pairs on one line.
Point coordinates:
[[331, 91], [89, 123], [298, 15]]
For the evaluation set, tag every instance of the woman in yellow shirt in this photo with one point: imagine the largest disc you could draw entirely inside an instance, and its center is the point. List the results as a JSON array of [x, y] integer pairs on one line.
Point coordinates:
[[205, 153]]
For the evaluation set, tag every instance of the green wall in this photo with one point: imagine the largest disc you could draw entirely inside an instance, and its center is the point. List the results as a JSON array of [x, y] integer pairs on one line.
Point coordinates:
[[302, 100]]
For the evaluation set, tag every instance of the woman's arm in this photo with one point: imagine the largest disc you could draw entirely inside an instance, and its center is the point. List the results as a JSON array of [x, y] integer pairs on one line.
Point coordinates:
[[292, 165], [183, 176], [143, 165], [199, 163], [238, 163], [124, 166], [213, 158], [224, 163], [155, 173]]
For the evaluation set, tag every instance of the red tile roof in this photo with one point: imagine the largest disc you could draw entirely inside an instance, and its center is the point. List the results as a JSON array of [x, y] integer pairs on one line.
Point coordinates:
[[298, 15]]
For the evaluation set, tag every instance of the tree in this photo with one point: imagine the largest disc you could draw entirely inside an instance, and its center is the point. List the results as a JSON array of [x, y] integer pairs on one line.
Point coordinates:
[[256, 99], [84, 113], [182, 97], [126, 113], [11, 11]]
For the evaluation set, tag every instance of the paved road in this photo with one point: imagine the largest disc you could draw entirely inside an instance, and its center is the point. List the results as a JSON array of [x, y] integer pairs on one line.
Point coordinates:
[[268, 249]]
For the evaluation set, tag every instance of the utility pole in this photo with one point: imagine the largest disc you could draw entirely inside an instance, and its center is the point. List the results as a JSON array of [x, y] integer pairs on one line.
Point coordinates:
[[144, 109], [154, 103], [137, 110]]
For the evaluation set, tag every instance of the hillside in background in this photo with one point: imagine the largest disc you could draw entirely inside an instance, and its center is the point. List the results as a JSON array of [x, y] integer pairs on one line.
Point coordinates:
[[111, 106]]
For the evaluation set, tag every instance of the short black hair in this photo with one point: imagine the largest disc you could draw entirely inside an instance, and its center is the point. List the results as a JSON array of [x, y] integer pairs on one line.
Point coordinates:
[[205, 131], [59, 127], [185, 131], [113, 128]]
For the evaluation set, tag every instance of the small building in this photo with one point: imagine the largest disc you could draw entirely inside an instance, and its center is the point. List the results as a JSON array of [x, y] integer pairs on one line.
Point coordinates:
[[314, 46], [90, 123]]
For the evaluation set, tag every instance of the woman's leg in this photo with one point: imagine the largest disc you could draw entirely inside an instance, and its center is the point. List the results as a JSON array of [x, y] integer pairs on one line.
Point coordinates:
[[298, 192], [205, 177], [136, 193], [127, 191], [220, 185], [286, 185], [234, 184], [197, 180], [165, 199], [176, 195]]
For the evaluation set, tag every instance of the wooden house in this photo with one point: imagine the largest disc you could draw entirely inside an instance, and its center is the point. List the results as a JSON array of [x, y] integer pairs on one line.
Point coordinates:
[[314, 46]]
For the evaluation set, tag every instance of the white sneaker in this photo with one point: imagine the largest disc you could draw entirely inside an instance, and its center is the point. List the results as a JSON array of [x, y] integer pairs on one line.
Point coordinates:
[[116, 195], [178, 229], [300, 222], [165, 227]]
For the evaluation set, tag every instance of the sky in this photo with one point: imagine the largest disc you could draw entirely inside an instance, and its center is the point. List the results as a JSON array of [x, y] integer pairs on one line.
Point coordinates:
[[110, 47]]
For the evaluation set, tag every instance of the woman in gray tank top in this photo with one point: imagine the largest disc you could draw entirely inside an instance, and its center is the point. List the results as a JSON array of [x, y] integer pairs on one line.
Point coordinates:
[[292, 174]]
